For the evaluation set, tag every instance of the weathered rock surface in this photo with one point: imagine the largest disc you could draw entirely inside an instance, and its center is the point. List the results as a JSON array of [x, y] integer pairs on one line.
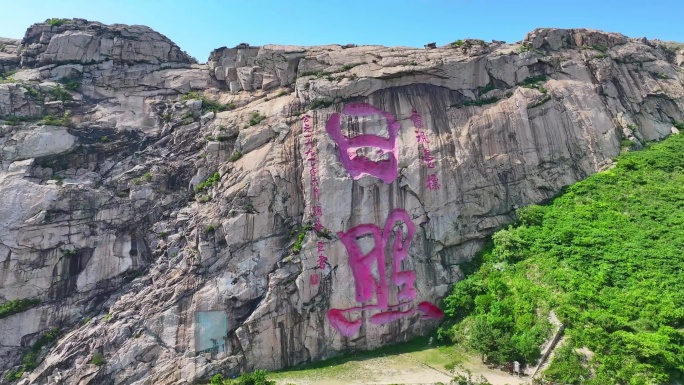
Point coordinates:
[[109, 216]]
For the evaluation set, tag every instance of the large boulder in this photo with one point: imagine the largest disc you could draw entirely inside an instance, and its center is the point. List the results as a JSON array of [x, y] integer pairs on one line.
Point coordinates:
[[81, 41]]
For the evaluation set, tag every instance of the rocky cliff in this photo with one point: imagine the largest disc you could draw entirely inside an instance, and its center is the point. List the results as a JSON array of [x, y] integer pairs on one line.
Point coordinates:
[[163, 221]]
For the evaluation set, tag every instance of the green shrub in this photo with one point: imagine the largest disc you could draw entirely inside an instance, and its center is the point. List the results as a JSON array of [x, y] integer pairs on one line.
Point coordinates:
[[300, 234], [32, 92], [56, 22], [211, 228], [207, 183], [49, 120], [14, 375], [59, 93], [105, 139], [533, 82], [678, 124], [626, 143], [255, 118], [70, 84], [98, 359], [17, 306], [457, 43]]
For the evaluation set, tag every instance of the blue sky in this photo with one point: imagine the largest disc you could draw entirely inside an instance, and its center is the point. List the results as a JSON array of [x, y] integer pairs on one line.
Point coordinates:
[[198, 26]]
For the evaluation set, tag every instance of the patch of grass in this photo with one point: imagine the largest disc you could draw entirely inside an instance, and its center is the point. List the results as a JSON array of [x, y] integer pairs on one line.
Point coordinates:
[[49, 120], [485, 89], [318, 103], [255, 117], [203, 198], [208, 104], [347, 67], [457, 44], [17, 306], [105, 139], [211, 228], [524, 48], [207, 183], [107, 317], [480, 102], [6, 77], [533, 81], [13, 120], [600, 47], [604, 256], [237, 155]]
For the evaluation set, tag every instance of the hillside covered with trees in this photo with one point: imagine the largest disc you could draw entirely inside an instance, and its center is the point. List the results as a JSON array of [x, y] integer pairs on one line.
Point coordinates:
[[607, 257]]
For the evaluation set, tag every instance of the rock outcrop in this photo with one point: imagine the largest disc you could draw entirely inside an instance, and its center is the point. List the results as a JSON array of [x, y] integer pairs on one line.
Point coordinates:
[[281, 205]]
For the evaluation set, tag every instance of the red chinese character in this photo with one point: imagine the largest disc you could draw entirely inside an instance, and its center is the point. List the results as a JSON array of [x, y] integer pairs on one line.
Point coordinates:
[[317, 211], [433, 182], [417, 120], [314, 279], [360, 166], [321, 246], [318, 226], [366, 284], [421, 137], [321, 261]]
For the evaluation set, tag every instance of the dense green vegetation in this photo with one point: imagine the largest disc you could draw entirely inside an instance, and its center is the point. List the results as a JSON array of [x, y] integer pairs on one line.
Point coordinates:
[[256, 378], [17, 306], [607, 257]]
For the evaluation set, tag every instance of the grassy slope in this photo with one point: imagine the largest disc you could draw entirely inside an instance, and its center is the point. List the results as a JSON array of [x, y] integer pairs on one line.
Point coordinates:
[[608, 257]]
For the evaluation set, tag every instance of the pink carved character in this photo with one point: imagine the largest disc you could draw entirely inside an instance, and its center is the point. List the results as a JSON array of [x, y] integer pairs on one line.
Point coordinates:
[[366, 284], [433, 182], [360, 166]]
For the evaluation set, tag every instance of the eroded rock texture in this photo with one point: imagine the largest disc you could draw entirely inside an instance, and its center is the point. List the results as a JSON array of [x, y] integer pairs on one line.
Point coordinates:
[[180, 220]]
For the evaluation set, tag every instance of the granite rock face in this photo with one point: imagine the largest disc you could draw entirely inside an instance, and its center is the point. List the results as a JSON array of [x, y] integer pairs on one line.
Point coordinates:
[[281, 205]]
